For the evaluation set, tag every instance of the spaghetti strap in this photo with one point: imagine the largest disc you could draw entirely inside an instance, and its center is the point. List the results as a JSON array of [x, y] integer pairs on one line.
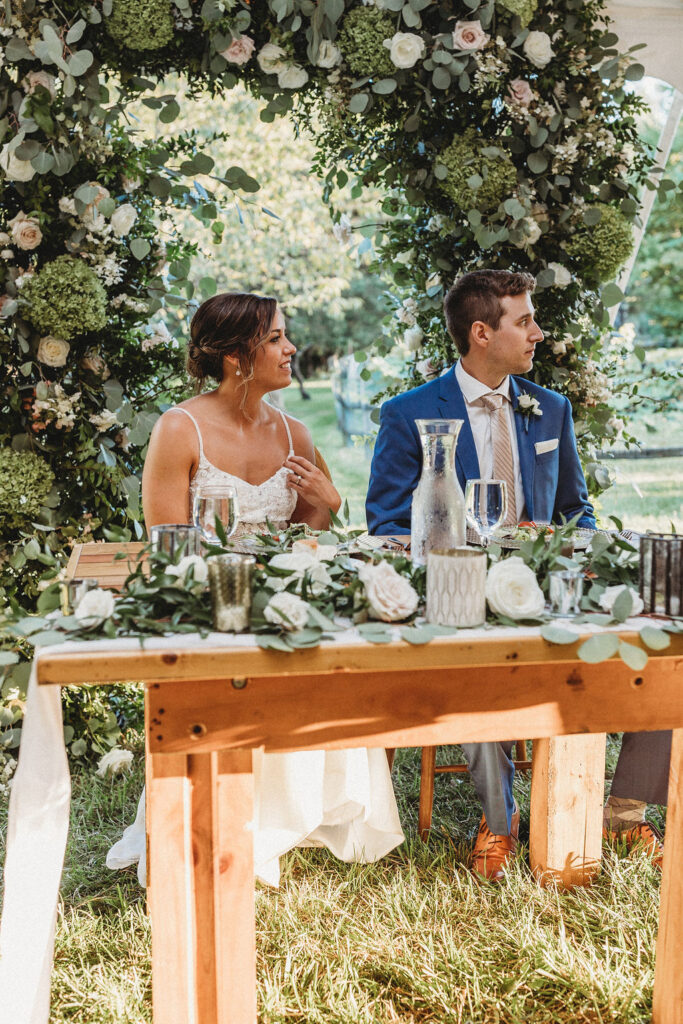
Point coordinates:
[[289, 433], [179, 408]]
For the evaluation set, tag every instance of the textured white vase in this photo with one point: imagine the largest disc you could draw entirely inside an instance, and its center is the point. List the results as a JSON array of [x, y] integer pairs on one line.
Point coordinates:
[[456, 584]]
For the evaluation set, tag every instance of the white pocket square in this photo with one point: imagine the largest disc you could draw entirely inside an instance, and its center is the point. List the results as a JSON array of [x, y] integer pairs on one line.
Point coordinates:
[[546, 446]]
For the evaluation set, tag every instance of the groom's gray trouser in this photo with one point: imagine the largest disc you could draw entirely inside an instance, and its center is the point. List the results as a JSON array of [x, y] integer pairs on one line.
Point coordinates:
[[492, 773]]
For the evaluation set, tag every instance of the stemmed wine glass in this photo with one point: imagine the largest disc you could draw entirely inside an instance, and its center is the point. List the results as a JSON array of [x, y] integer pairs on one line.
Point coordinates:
[[485, 507], [215, 502]]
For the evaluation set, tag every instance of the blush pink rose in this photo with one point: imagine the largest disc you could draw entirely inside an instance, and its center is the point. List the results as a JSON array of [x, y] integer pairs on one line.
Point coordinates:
[[521, 92], [239, 51], [469, 35]]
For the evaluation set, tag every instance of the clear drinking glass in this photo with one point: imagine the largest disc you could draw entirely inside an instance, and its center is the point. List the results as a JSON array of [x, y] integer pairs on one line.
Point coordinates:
[[486, 505], [215, 501]]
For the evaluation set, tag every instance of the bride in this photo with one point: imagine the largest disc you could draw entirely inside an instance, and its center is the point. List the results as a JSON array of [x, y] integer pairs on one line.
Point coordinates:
[[340, 799]]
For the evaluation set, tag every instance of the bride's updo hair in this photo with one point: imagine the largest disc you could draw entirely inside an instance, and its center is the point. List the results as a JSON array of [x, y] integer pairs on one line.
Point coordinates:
[[230, 324]]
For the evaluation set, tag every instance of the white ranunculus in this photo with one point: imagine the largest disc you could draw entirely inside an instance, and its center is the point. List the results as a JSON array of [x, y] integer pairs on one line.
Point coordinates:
[[538, 49], [610, 595], [182, 570], [123, 218], [329, 55], [286, 610], [292, 77], [34, 79], [14, 168], [562, 275], [26, 233], [391, 596], [469, 35], [271, 58], [53, 351], [94, 607], [512, 590], [114, 762], [405, 49], [413, 337]]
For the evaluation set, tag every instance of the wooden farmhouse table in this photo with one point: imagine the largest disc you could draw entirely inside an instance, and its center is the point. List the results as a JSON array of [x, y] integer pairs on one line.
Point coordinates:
[[210, 703]]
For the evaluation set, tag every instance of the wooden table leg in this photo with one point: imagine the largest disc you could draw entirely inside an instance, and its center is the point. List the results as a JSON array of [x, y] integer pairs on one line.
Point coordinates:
[[567, 792], [667, 1005]]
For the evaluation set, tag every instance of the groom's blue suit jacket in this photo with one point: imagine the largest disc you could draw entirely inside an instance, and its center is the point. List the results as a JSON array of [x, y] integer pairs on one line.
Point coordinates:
[[554, 484]]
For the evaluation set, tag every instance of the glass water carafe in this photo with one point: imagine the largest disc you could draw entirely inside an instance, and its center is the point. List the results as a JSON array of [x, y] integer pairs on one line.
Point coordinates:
[[438, 508]]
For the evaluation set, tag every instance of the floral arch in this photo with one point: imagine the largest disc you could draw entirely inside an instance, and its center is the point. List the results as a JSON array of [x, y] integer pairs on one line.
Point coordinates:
[[503, 133]]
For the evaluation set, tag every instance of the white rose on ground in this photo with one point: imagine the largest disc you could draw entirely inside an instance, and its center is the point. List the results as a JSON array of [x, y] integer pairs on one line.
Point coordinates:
[[520, 92], [104, 420], [26, 233], [329, 55], [538, 49], [34, 79], [286, 610], [240, 50], [512, 590], [391, 596], [562, 275], [292, 77], [123, 218], [405, 49], [14, 168], [182, 570], [271, 58], [53, 351], [608, 598], [413, 338], [114, 762], [94, 607], [469, 35]]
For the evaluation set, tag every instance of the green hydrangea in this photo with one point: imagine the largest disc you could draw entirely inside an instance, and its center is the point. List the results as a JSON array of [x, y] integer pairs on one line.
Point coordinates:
[[464, 160], [141, 26], [602, 248], [361, 41], [25, 482], [524, 9], [65, 298]]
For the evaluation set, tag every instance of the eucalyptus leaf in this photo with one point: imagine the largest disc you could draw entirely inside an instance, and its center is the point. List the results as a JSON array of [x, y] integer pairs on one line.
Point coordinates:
[[140, 247], [537, 162], [358, 102], [8, 658], [598, 648], [655, 639], [80, 62], [623, 606], [416, 635], [634, 657], [384, 86], [555, 634]]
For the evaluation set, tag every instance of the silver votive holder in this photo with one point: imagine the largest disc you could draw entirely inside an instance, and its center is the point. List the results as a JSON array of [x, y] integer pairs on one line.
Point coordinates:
[[661, 573], [72, 592], [230, 578], [565, 591], [175, 540], [456, 587]]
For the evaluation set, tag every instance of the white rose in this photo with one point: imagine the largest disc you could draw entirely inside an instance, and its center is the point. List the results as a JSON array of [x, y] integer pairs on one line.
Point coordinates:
[[329, 55], [182, 570], [538, 49], [390, 595], [67, 205], [413, 338], [40, 78], [610, 595], [527, 404], [26, 231], [53, 351], [469, 35], [532, 231], [292, 77], [299, 561], [322, 552], [239, 51], [271, 58], [286, 610], [405, 49], [114, 762], [94, 607], [123, 218], [14, 168], [512, 590], [562, 275]]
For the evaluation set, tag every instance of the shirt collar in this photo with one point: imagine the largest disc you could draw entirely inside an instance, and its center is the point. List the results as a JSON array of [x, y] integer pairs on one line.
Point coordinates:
[[473, 389]]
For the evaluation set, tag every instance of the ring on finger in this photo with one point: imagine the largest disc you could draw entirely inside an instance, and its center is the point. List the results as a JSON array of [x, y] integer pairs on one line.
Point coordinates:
[[299, 478]]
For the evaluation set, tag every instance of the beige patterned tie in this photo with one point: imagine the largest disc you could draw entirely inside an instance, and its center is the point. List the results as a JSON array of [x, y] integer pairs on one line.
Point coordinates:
[[503, 463]]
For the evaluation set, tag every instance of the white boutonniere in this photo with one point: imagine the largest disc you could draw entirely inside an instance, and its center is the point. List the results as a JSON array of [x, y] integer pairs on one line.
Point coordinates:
[[528, 406]]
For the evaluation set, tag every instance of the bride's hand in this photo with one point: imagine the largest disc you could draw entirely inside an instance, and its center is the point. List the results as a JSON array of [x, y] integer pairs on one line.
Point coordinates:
[[312, 485]]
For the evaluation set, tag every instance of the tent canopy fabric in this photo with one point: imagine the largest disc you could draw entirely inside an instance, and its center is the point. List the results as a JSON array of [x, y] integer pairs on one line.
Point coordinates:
[[658, 24]]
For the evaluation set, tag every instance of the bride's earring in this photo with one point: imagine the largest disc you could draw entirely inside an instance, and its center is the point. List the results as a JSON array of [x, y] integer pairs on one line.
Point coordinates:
[[237, 373]]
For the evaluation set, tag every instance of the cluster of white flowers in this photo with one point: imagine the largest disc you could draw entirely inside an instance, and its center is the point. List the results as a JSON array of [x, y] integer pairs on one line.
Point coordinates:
[[56, 406], [272, 59], [490, 69], [106, 266], [104, 420], [303, 563], [406, 312], [589, 383], [343, 231], [158, 335], [7, 769], [129, 302], [114, 762]]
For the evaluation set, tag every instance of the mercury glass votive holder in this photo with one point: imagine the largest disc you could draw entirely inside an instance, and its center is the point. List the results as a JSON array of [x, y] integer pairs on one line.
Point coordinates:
[[565, 591], [230, 581], [661, 573], [72, 592], [175, 540], [456, 587]]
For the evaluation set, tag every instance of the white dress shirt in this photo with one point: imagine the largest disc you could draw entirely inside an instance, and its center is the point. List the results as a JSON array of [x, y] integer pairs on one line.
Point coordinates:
[[480, 422]]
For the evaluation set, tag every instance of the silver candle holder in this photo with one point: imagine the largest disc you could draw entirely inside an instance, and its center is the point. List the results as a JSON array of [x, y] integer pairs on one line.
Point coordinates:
[[175, 540], [456, 587], [230, 581], [661, 573]]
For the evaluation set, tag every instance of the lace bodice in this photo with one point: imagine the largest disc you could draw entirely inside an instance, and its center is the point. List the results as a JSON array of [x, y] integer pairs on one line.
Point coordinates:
[[272, 500]]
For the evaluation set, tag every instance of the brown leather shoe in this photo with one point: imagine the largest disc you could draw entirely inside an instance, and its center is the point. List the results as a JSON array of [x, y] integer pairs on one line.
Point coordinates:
[[491, 853], [643, 837]]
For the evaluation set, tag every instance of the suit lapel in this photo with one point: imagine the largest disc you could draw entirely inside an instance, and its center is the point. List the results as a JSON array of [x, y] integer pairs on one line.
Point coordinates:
[[452, 406], [526, 439]]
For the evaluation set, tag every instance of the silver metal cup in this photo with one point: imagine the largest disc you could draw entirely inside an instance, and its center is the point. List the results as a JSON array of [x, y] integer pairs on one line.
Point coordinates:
[[175, 540], [230, 580], [565, 592]]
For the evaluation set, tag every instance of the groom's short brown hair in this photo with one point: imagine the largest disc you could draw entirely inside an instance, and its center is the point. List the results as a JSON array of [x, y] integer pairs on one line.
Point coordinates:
[[476, 296]]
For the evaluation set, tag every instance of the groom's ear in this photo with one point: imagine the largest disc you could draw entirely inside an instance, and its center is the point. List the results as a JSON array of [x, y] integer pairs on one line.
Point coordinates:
[[480, 334]]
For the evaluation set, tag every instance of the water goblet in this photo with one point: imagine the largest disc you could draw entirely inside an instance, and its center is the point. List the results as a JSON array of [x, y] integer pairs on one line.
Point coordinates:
[[485, 507], [215, 502]]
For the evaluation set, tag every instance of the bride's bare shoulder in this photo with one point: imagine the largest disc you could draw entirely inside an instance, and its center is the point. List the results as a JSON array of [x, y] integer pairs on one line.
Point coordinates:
[[301, 437], [174, 426]]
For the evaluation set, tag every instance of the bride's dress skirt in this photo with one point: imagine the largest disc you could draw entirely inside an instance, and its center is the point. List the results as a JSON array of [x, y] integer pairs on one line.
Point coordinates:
[[340, 799]]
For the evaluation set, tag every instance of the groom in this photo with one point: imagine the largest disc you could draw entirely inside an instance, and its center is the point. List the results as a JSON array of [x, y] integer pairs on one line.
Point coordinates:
[[513, 430]]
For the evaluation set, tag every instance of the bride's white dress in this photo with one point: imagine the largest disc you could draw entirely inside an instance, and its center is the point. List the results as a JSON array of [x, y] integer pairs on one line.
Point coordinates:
[[340, 799]]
